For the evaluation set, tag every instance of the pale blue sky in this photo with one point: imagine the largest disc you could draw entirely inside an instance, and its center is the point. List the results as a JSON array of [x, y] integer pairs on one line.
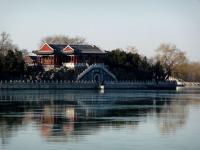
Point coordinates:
[[106, 23]]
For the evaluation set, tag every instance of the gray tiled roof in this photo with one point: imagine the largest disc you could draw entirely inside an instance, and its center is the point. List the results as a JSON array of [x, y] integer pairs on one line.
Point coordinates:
[[78, 49]]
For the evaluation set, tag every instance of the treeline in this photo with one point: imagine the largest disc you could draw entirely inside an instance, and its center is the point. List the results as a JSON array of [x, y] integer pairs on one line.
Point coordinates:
[[176, 64], [189, 71], [125, 64], [132, 66], [11, 65], [11, 59]]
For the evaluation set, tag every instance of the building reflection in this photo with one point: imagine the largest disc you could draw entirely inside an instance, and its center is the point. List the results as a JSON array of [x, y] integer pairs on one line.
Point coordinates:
[[61, 115]]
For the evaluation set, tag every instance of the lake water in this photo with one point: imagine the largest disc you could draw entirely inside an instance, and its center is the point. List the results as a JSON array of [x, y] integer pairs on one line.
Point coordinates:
[[100, 120]]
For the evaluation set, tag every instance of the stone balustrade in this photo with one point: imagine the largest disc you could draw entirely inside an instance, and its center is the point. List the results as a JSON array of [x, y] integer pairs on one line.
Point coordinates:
[[47, 84]]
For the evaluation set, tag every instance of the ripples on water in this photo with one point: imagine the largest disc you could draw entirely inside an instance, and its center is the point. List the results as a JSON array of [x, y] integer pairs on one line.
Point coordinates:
[[100, 119]]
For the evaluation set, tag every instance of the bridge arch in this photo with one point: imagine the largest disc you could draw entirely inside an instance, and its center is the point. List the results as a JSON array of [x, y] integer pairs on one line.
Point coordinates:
[[97, 73]]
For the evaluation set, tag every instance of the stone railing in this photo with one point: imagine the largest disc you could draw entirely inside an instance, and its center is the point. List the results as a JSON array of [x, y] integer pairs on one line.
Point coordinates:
[[190, 84], [140, 85], [15, 84], [47, 84]]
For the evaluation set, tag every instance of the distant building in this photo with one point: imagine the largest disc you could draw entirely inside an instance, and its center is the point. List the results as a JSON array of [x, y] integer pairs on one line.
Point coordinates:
[[71, 56], [86, 60]]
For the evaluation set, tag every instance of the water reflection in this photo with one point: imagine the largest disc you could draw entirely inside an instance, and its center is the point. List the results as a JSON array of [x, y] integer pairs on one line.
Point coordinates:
[[63, 115]]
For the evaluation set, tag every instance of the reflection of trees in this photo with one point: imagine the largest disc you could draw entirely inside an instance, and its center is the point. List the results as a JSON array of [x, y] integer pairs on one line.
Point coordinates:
[[6, 129], [9, 124], [63, 115], [173, 116]]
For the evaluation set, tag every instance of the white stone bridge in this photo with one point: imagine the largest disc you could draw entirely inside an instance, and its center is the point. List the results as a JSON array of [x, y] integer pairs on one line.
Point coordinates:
[[97, 73]]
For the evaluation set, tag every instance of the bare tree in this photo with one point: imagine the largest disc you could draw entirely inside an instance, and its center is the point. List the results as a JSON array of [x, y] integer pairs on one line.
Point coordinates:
[[170, 57], [62, 39], [6, 43], [188, 72], [131, 49]]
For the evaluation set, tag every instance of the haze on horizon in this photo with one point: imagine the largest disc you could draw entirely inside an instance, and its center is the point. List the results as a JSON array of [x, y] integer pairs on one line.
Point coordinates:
[[108, 24]]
